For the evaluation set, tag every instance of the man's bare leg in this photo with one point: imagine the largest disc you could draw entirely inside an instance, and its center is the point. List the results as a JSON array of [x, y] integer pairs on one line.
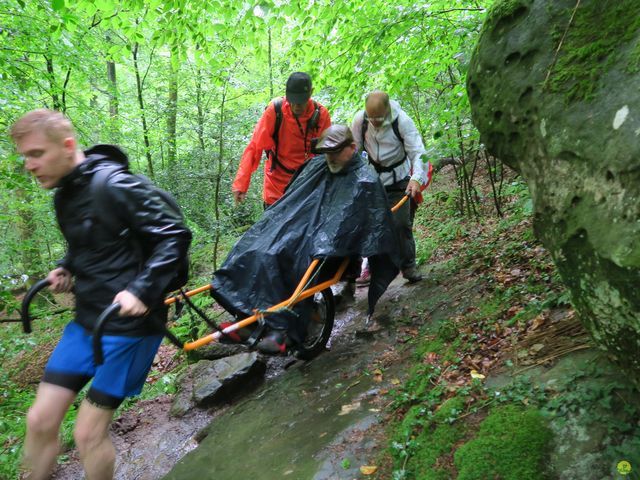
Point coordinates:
[[41, 445], [97, 452]]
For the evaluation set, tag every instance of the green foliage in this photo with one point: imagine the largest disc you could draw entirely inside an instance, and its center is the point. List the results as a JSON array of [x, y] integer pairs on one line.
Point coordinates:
[[513, 443]]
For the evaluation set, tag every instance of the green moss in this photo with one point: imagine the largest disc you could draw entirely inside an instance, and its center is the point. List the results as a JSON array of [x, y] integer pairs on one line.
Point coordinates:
[[634, 60], [512, 444], [430, 446], [499, 11], [449, 410], [503, 8], [592, 45], [448, 331], [427, 437]]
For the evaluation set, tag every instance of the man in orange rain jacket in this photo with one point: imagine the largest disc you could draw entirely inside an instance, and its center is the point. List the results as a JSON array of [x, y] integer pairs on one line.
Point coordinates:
[[284, 132]]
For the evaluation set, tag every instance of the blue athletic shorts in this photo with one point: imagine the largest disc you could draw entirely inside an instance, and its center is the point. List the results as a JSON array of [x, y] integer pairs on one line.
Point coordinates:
[[127, 361]]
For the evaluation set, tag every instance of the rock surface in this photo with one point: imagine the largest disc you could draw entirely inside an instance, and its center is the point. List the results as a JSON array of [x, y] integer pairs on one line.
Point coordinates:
[[213, 381], [553, 86]]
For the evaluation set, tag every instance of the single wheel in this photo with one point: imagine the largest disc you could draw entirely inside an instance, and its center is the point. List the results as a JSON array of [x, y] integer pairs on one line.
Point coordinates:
[[320, 325]]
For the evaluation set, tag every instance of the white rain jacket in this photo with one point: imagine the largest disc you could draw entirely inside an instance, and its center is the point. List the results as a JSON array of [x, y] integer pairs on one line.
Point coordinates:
[[384, 147]]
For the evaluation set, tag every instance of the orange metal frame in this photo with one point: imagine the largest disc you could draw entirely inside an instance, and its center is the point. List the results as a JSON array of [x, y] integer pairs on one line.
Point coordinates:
[[298, 295]]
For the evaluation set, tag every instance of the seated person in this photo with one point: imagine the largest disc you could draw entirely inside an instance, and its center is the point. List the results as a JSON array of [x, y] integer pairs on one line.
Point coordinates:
[[334, 207]]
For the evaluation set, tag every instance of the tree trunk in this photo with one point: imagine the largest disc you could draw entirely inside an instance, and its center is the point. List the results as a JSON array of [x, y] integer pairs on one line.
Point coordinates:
[[143, 117], [51, 75], [172, 112], [218, 178], [200, 107], [270, 68], [64, 90], [114, 130]]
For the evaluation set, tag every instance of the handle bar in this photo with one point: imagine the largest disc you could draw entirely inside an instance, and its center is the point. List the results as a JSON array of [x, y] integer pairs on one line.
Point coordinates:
[[98, 330], [26, 302], [106, 315]]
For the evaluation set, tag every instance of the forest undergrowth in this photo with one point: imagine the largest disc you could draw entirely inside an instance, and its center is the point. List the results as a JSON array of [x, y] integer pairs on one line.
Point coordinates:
[[471, 406]]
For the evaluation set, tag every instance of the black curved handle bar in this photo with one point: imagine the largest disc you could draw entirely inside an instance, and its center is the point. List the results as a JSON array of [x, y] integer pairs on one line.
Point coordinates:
[[106, 315], [98, 330], [26, 302]]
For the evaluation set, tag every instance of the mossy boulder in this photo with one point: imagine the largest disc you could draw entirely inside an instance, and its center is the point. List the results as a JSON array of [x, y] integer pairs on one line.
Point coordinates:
[[554, 90]]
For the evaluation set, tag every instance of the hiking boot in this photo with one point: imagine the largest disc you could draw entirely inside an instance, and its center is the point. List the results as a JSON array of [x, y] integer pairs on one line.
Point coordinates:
[[364, 278], [412, 275], [273, 343]]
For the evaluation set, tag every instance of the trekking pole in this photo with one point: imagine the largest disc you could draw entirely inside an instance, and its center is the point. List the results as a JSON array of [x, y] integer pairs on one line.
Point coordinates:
[[401, 202], [26, 301]]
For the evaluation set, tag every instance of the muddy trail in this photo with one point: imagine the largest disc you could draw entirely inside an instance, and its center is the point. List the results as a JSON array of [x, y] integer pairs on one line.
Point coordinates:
[[320, 419]]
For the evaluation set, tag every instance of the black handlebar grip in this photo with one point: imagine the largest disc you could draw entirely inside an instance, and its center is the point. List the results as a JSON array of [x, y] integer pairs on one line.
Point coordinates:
[[107, 314], [26, 302]]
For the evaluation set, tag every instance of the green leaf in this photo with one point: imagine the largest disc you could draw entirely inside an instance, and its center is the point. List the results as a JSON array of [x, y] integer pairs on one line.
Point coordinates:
[[57, 5]]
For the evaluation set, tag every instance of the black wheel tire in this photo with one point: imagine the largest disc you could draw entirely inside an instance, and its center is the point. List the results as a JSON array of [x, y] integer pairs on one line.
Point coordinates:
[[317, 338]]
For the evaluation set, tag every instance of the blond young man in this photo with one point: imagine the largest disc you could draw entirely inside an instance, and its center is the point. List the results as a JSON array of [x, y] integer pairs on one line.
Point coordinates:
[[102, 268]]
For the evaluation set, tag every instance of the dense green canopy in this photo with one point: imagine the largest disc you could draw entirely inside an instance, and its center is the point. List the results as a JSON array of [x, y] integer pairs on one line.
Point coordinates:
[[179, 84]]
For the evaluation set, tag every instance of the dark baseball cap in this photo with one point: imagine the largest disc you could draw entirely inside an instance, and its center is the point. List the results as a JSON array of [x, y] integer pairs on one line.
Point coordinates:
[[334, 139], [298, 88]]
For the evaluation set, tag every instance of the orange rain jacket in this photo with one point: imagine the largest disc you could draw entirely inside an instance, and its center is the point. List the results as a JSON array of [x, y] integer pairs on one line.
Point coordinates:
[[293, 150]]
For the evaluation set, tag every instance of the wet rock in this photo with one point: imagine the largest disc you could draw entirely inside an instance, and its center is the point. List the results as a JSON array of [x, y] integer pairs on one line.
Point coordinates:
[[216, 381], [567, 119], [182, 403], [216, 350]]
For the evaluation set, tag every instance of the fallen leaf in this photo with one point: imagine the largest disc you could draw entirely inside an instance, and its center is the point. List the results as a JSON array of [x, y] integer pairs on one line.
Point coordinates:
[[431, 357], [475, 374], [537, 347], [537, 322], [346, 409], [395, 381], [368, 469]]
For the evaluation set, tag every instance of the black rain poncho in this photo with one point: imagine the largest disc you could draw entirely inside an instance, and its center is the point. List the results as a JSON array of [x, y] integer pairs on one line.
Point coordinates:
[[321, 215]]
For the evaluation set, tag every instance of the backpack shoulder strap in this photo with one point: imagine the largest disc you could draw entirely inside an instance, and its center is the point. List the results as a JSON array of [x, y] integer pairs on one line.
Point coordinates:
[[313, 122], [277, 106], [396, 130], [365, 125]]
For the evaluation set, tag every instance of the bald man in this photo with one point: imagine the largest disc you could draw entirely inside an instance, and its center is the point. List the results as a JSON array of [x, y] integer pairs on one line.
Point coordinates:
[[394, 148]]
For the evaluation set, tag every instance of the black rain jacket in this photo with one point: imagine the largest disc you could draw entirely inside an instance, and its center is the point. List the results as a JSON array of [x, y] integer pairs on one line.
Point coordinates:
[[104, 263]]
